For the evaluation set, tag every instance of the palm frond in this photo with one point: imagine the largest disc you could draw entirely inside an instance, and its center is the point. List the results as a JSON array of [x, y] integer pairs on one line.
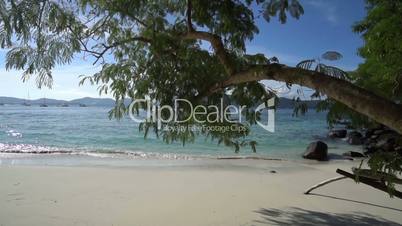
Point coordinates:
[[333, 71], [306, 64]]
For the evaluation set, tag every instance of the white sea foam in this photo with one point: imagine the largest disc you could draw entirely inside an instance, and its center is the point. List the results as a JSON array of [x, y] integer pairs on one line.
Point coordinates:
[[14, 133], [29, 149]]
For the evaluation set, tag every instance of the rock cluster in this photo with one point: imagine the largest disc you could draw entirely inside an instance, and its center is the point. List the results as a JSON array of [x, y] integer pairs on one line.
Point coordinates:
[[382, 139], [373, 140]]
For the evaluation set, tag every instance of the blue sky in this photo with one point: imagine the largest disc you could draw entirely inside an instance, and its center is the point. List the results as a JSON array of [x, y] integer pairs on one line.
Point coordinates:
[[326, 25]]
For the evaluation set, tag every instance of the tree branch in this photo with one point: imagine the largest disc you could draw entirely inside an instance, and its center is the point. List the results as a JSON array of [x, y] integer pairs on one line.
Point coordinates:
[[99, 55], [218, 47], [113, 45], [136, 19], [377, 108], [189, 23]]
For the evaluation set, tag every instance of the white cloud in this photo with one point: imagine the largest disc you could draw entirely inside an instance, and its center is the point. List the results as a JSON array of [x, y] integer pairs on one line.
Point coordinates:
[[327, 8]]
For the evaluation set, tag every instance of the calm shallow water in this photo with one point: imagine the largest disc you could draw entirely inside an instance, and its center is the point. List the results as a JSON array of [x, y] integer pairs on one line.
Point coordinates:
[[88, 131]]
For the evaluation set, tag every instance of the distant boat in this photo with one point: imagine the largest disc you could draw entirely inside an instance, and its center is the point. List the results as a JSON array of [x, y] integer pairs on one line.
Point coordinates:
[[83, 105], [64, 105], [25, 104], [1, 104]]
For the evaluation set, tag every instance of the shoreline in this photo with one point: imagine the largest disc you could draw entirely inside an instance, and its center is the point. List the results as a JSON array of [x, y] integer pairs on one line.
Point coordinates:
[[213, 192], [153, 159]]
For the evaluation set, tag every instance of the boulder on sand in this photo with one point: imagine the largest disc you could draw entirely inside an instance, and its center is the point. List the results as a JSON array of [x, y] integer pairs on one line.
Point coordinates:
[[355, 138], [317, 150], [338, 133]]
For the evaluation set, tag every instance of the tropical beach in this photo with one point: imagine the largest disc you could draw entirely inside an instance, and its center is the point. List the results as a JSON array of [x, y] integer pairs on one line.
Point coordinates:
[[236, 192], [121, 183], [194, 112]]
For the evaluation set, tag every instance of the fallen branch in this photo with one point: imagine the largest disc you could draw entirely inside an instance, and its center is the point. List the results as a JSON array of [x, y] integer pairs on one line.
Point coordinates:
[[371, 182], [324, 183]]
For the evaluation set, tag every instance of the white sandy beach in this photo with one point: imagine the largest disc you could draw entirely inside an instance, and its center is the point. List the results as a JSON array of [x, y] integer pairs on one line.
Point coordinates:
[[233, 194]]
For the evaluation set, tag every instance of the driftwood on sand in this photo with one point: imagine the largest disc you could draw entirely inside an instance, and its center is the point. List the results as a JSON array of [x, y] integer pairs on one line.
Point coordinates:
[[324, 183], [375, 181]]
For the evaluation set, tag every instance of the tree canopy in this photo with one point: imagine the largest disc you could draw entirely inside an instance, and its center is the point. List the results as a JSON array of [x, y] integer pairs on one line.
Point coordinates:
[[382, 51]]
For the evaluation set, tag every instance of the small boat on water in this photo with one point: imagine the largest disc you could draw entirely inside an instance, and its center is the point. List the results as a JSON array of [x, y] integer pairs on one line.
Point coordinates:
[[64, 105], [1, 104], [83, 105]]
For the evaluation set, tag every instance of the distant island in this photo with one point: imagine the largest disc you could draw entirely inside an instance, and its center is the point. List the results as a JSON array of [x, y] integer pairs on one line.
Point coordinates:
[[86, 101], [109, 102]]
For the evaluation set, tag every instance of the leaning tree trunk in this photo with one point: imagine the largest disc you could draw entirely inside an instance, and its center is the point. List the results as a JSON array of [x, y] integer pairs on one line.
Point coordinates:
[[363, 101]]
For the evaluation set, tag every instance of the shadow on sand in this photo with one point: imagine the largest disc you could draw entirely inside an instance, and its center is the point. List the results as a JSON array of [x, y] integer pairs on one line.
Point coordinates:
[[302, 217], [355, 201]]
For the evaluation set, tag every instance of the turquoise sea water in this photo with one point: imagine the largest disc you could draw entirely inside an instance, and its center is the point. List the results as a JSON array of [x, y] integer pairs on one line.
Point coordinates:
[[88, 131]]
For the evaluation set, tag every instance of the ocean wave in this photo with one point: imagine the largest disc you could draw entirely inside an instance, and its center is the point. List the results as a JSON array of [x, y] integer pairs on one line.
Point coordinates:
[[29, 149], [14, 133], [23, 150]]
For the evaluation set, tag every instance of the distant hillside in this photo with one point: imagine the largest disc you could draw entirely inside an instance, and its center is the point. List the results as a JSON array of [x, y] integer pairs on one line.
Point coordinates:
[[53, 102], [89, 101], [47, 101], [108, 102], [11, 100]]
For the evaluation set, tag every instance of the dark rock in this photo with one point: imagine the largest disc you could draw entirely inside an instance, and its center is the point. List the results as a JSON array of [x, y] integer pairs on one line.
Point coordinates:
[[370, 150], [355, 141], [339, 133], [399, 150], [369, 145], [354, 154], [378, 132], [368, 133], [387, 142], [367, 142], [355, 134], [388, 147], [317, 150], [389, 136], [355, 138]]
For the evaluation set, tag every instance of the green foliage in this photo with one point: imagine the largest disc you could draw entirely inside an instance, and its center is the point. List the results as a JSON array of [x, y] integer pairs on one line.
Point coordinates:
[[388, 164], [274, 7], [31, 29], [337, 112], [301, 108], [382, 50]]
